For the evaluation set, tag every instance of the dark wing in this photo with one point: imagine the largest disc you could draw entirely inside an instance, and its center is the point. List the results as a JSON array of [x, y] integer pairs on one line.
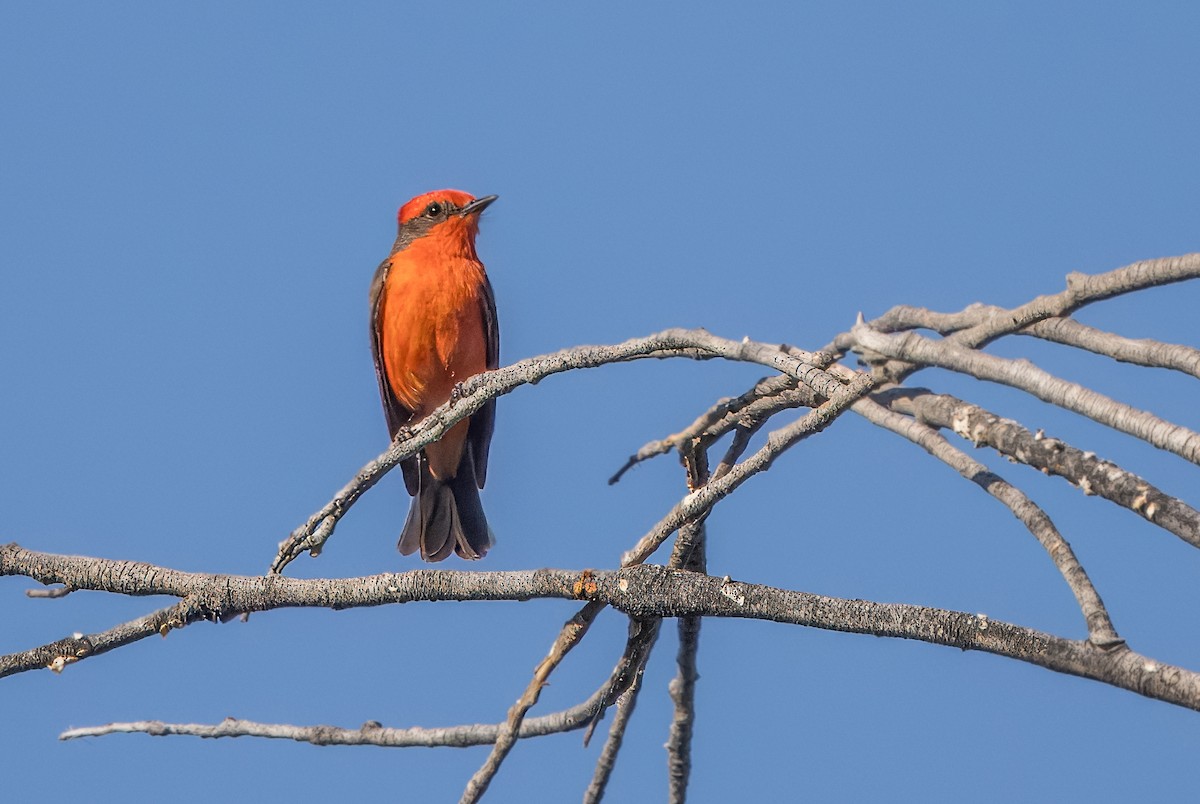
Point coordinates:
[[479, 436], [397, 415]]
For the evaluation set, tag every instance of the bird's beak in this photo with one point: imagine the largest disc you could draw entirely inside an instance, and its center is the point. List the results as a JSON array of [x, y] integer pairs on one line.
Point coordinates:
[[478, 205]]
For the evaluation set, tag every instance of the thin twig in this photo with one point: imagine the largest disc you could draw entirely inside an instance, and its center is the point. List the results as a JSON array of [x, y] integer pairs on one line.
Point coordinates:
[[568, 638], [577, 717], [643, 634], [625, 704], [768, 396], [1100, 628], [700, 501]]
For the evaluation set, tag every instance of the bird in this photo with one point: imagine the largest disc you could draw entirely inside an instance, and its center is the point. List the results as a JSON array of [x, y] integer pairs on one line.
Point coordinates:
[[433, 325]]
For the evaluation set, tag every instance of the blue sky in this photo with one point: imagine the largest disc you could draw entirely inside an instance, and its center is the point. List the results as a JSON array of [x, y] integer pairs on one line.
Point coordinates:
[[193, 199]]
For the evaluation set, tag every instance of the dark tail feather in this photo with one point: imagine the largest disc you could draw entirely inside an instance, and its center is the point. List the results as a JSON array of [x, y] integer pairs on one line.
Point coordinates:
[[446, 516]]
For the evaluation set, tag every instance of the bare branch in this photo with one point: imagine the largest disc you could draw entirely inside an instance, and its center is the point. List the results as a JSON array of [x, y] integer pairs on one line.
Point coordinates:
[[980, 324], [768, 396], [1100, 628], [475, 391], [700, 501], [1058, 329], [222, 597], [1022, 374], [683, 686], [1083, 289], [643, 634], [903, 317], [683, 694], [1089, 473], [577, 717], [569, 637], [1141, 351], [57, 655], [653, 591], [626, 704]]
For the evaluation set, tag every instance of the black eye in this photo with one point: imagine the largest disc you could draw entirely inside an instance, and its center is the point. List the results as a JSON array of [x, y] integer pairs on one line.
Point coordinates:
[[433, 210]]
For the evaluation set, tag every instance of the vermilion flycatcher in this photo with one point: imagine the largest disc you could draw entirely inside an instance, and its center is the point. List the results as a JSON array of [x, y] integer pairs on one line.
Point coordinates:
[[433, 325]]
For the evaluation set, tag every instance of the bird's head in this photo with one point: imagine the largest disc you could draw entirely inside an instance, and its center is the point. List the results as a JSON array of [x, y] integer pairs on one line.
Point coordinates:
[[441, 213]]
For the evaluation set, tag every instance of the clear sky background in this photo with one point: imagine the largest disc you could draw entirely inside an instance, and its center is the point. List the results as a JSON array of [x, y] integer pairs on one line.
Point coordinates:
[[193, 198]]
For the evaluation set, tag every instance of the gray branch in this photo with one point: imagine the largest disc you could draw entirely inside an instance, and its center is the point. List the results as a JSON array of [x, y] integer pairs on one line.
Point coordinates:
[[643, 591], [1100, 627], [472, 393], [1024, 375], [701, 501], [1138, 351], [1085, 470], [979, 325], [372, 733]]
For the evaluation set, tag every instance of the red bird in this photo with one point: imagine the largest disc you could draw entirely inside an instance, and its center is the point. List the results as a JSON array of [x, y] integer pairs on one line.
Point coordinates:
[[433, 325]]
